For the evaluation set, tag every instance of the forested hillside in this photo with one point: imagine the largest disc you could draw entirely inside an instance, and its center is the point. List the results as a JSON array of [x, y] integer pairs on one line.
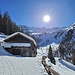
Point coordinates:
[[7, 26]]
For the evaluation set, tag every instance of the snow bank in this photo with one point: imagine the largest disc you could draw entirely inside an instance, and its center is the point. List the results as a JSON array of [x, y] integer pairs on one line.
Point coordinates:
[[67, 64], [42, 51], [4, 52], [62, 68]]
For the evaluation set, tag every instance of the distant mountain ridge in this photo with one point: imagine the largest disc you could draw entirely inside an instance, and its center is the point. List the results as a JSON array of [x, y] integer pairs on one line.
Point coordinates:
[[45, 36], [38, 29], [56, 36]]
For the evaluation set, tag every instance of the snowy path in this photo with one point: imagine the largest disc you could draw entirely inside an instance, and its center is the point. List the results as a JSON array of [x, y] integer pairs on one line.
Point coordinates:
[[10, 65]]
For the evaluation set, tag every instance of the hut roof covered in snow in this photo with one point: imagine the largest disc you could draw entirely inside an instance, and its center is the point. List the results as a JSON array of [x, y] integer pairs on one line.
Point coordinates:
[[22, 34]]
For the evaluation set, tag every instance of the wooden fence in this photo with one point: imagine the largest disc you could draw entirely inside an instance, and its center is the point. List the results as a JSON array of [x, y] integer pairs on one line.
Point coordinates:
[[47, 67]]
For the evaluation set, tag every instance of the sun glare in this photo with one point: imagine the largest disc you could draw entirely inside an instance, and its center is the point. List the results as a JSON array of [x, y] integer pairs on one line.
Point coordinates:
[[46, 18]]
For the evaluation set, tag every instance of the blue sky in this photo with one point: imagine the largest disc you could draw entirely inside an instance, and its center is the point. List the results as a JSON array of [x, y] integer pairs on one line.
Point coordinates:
[[31, 12]]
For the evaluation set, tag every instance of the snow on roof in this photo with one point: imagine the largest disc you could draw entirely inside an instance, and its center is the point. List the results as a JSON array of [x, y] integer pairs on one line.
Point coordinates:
[[9, 45], [30, 38]]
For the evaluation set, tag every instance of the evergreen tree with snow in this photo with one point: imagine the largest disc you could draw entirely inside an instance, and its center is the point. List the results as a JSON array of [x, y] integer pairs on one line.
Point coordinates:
[[1, 22], [7, 26], [50, 55], [5, 22]]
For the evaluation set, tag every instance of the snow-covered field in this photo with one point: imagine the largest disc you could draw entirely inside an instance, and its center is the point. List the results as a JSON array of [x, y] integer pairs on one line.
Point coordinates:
[[10, 65], [13, 65]]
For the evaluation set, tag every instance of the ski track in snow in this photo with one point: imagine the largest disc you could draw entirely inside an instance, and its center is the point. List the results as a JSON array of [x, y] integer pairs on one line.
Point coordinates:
[[62, 69], [10, 65], [67, 64]]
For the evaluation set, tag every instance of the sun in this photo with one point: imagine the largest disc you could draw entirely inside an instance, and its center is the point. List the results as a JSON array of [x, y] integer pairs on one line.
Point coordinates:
[[46, 18]]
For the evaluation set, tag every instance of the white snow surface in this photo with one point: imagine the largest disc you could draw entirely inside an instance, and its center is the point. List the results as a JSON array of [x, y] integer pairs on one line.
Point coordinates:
[[17, 65], [43, 51], [63, 67], [54, 46], [10, 65]]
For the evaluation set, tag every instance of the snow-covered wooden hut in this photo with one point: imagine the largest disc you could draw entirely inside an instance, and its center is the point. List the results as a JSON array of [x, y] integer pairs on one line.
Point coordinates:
[[20, 44]]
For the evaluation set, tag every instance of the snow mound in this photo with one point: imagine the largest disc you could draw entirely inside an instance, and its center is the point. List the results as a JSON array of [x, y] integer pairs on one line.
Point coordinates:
[[68, 65], [63, 67], [4, 52]]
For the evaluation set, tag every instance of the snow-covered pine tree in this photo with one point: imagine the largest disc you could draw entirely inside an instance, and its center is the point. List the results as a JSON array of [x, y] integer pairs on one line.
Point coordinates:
[[50, 55]]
